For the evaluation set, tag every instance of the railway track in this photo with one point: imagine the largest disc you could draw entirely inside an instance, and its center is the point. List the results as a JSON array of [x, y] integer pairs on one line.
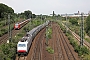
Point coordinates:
[[53, 43], [35, 52], [4, 38], [78, 37], [21, 57], [38, 47], [68, 50], [58, 54], [61, 49]]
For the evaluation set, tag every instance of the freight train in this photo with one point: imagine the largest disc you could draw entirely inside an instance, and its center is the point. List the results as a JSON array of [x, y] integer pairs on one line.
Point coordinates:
[[18, 25], [24, 44]]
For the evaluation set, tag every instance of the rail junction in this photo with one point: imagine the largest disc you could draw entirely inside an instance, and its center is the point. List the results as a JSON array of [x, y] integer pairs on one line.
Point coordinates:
[[59, 42]]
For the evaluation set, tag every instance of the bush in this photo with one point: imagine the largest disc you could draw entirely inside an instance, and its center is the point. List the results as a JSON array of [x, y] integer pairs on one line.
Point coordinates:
[[1, 34], [2, 56], [82, 50], [69, 37], [2, 23], [8, 51], [87, 39], [74, 21], [4, 31], [85, 50], [88, 33], [20, 34], [49, 32], [26, 29], [67, 34], [50, 50]]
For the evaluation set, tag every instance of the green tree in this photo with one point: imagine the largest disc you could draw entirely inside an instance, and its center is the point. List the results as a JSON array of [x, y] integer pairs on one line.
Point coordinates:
[[33, 16], [28, 14], [2, 56], [4, 9], [8, 51], [73, 21], [88, 24]]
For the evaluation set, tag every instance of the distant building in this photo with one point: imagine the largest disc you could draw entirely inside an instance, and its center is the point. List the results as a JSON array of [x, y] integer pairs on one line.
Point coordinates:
[[77, 13], [73, 15], [89, 13]]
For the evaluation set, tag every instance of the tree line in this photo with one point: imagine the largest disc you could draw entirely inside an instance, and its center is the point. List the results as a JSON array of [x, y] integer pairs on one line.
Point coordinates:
[[5, 10], [87, 27]]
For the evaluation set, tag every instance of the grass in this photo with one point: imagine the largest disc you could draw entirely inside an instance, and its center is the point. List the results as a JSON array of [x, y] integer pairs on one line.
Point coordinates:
[[86, 57], [87, 39]]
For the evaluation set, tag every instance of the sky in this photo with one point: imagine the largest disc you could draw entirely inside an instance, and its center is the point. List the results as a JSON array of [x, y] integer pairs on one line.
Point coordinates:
[[48, 6]]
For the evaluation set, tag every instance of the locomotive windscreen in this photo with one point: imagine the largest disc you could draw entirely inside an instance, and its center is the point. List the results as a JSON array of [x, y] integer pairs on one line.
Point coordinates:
[[21, 45]]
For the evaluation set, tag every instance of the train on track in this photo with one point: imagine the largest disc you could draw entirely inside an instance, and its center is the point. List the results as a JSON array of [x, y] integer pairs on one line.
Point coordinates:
[[19, 25], [25, 43]]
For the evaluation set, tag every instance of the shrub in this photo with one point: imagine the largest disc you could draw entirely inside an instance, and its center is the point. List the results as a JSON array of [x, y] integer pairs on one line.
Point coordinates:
[[8, 51], [82, 50], [88, 33], [49, 32], [2, 56], [69, 37], [50, 50], [20, 34], [1, 34], [67, 34], [87, 39], [4, 31]]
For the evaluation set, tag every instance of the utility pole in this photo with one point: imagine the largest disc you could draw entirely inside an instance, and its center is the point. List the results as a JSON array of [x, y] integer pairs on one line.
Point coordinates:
[[66, 22], [9, 30], [82, 30], [41, 18], [5, 18], [47, 35]]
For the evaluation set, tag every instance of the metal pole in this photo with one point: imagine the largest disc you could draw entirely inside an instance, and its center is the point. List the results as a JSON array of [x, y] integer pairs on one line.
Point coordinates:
[[46, 35], [41, 18], [5, 19], [9, 31], [66, 22], [61, 18], [82, 30]]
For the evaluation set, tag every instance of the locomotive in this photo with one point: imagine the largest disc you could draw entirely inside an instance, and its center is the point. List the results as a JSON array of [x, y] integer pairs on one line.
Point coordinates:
[[18, 25], [24, 44]]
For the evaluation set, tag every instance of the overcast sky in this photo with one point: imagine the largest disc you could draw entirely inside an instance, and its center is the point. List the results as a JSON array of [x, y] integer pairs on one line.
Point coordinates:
[[47, 6]]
